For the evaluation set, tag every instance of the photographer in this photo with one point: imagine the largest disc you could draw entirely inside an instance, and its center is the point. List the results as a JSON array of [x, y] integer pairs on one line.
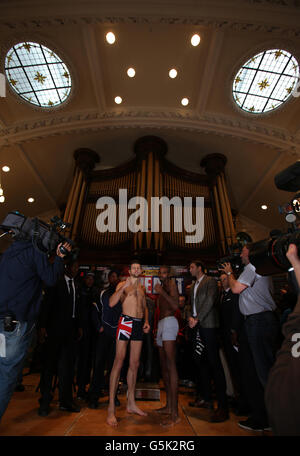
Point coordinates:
[[282, 391], [23, 269], [258, 336]]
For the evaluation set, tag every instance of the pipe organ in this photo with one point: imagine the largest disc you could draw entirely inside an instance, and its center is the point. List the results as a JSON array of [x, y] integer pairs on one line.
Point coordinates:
[[149, 175]]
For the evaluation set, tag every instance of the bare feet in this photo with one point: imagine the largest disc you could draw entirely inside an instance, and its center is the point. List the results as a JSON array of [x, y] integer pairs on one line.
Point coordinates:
[[169, 422], [111, 419], [163, 410], [134, 409]]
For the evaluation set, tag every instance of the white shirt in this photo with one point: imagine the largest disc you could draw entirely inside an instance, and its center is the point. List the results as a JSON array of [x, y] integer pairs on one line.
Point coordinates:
[[74, 293], [195, 291]]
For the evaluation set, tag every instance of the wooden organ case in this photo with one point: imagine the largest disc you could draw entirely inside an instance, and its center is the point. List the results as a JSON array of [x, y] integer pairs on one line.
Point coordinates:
[[149, 174]]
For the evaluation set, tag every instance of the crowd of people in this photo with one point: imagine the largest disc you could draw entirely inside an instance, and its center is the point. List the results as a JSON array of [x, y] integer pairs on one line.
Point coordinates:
[[94, 343]]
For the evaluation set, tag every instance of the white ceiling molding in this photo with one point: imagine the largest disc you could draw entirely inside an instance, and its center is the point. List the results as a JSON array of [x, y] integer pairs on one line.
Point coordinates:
[[264, 179], [24, 156], [282, 19], [84, 121], [210, 69], [93, 55]]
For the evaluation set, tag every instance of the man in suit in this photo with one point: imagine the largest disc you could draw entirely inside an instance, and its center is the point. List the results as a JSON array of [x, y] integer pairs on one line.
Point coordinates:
[[231, 321], [204, 318], [89, 294], [105, 322], [60, 330]]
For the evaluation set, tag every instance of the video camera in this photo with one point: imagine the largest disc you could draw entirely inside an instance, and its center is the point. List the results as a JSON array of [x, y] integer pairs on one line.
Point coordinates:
[[233, 258], [269, 255], [44, 237]]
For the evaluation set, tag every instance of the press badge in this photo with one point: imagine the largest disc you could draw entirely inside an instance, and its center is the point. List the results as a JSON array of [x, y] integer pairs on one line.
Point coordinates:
[[2, 346]]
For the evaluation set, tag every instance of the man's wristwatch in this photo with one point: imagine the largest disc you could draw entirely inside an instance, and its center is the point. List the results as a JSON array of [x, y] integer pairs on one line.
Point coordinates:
[[228, 273]]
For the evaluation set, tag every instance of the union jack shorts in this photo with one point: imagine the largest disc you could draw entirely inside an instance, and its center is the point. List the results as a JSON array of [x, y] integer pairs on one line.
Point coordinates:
[[130, 328]]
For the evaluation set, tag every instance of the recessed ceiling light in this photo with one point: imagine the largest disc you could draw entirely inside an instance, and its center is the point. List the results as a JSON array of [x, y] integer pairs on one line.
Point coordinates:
[[2, 199], [118, 100], [131, 72], [185, 101], [173, 73], [110, 37], [195, 40], [6, 169], [30, 200], [264, 207]]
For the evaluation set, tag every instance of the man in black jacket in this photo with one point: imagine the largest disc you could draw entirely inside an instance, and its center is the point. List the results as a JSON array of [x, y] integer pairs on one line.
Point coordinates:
[[60, 329], [89, 294], [204, 319], [105, 321], [231, 321], [23, 269]]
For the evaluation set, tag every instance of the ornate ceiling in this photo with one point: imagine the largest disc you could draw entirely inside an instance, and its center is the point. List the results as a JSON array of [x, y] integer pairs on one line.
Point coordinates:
[[152, 37]]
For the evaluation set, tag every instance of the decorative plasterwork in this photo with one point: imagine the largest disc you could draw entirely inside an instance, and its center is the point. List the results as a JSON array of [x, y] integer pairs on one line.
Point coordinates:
[[88, 121], [195, 19]]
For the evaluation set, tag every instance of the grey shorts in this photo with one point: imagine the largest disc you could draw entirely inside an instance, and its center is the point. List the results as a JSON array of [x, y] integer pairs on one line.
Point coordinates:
[[167, 329]]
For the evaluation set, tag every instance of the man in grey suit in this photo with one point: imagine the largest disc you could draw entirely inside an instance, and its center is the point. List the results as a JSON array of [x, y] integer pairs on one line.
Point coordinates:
[[204, 317]]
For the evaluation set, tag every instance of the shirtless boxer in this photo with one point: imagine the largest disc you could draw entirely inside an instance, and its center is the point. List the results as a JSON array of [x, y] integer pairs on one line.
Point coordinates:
[[132, 324], [167, 331]]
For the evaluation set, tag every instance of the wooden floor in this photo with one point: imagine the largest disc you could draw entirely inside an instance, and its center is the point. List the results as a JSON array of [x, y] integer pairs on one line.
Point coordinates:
[[21, 418]]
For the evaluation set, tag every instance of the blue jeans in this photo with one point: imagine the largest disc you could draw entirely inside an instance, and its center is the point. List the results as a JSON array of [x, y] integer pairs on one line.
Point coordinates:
[[263, 335], [17, 344]]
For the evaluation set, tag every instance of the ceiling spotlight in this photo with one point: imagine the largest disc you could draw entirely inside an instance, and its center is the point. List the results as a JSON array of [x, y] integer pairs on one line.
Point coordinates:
[[6, 169], [131, 72], [185, 101], [118, 100], [173, 73], [110, 37], [264, 207], [30, 200], [195, 40], [2, 199], [1, 191]]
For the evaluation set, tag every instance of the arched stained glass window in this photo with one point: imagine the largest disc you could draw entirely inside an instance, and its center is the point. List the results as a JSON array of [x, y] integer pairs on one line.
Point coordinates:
[[266, 81], [37, 74]]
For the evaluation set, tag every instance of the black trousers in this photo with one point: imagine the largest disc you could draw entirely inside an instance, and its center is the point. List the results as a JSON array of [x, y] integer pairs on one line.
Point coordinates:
[[105, 349], [235, 367], [184, 360], [59, 358], [84, 361], [252, 384], [210, 367]]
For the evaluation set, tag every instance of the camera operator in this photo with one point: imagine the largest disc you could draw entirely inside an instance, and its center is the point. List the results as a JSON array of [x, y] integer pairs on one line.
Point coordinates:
[[282, 391], [259, 335], [23, 269]]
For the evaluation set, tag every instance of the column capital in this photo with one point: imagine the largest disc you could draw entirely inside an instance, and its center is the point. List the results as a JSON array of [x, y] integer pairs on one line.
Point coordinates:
[[146, 144], [213, 164], [86, 159]]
